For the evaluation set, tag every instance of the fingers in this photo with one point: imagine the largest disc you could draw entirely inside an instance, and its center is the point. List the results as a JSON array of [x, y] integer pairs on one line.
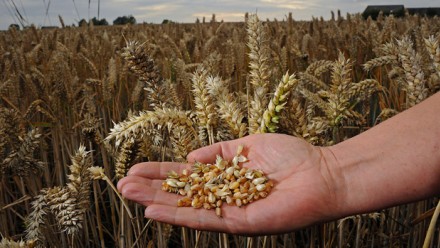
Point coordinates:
[[145, 191], [156, 184], [200, 219], [226, 149], [156, 170]]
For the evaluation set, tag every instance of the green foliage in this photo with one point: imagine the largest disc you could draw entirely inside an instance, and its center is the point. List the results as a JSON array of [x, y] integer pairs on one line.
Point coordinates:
[[166, 21], [122, 20], [102, 22], [14, 26], [95, 21], [83, 22]]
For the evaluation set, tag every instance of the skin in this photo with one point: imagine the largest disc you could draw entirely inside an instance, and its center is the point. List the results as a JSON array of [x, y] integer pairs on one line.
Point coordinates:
[[396, 162]]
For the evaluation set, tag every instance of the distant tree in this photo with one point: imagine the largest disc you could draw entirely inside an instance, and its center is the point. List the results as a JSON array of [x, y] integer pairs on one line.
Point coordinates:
[[82, 23], [122, 20], [166, 21], [14, 26], [102, 22]]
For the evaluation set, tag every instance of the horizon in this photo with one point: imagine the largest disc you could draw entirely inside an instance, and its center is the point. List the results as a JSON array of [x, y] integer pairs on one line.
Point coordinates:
[[45, 13]]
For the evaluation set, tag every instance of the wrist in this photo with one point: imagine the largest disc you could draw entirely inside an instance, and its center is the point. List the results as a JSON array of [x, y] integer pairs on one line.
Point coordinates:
[[333, 172]]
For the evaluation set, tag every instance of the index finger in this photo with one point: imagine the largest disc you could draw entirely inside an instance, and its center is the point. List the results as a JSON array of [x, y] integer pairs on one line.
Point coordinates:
[[156, 170], [232, 220]]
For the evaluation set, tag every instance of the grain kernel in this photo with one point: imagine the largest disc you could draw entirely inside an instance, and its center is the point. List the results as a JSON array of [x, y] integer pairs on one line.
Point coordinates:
[[207, 206], [234, 185], [238, 202], [259, 180], [228, 200], [261, 187], [211, 198], [218, 212]]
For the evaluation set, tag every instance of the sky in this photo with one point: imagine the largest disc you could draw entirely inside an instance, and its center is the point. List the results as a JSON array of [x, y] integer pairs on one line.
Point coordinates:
[[46, 12]]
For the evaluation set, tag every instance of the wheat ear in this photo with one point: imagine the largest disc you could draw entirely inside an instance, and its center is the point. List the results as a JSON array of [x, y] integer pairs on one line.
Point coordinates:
[[138, 125], [35, 221], [308, 80], [433, 47], [271, 115], [380, 61], [22, 162], [415, 78], [125, 156], [70, 213], [6, 243], [140, 62], [204, 106], [259, 71], [228, 106], [182, 143], [319, 67]]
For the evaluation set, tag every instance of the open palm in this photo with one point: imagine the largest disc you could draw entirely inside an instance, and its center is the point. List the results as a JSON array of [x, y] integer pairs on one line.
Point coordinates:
[[303, 193]]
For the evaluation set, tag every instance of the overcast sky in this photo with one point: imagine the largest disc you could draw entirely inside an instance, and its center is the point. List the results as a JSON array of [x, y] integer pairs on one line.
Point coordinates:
[[45, 12]]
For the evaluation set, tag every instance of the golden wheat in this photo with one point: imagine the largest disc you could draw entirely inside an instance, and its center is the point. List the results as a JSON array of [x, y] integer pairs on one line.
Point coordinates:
[[65, 87]]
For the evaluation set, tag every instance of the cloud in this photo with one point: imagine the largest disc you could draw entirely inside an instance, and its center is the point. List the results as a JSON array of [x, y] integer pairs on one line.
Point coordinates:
[[230, 16], [157, 10], [285, 4], [160, 7], [184, 10]]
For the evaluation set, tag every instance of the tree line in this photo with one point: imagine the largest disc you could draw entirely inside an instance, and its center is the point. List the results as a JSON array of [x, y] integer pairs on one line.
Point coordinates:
[[121, 20]]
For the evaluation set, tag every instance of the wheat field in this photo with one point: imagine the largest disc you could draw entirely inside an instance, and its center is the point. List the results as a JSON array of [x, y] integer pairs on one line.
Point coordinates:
[[79, 106]]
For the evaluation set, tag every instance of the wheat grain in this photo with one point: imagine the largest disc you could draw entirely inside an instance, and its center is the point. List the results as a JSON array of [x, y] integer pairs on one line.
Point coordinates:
[[209, 185]]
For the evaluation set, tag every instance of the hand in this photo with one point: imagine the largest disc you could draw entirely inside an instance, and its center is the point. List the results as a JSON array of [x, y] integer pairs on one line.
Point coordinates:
[[304, 190]]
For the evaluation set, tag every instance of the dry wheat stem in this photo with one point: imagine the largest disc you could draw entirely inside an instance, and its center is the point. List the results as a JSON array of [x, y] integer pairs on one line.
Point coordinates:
[[97, 173]]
